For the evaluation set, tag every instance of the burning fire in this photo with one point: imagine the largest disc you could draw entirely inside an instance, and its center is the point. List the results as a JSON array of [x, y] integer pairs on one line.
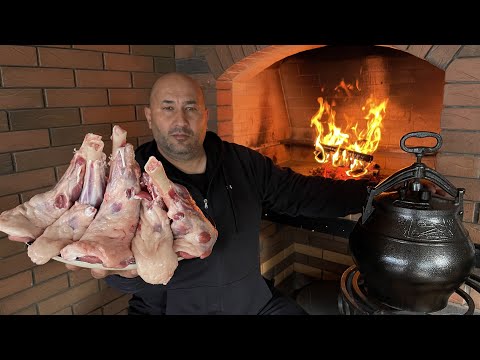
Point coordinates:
[[352, 146]]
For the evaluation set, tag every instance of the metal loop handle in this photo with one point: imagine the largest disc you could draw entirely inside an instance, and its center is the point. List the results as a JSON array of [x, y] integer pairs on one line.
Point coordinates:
[[421, 150], [416, 171]]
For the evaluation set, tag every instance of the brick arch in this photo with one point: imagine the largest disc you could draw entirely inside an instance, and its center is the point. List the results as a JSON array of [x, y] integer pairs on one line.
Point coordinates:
[[242, 62]]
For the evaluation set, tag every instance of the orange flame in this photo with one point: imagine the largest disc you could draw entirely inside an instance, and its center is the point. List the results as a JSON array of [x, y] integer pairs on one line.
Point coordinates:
[[343, 144]]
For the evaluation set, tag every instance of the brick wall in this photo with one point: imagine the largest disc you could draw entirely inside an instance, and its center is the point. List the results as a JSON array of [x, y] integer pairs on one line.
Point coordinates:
[[50, 97]]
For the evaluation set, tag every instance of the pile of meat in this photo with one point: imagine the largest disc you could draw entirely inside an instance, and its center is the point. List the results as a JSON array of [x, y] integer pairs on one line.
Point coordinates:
[[115, 220]]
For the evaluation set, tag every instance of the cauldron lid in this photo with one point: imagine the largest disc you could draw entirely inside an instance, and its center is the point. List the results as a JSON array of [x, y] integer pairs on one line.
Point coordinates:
[[417, 200]]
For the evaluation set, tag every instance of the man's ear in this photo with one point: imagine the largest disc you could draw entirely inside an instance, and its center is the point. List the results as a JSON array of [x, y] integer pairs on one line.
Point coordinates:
[[148, 115]]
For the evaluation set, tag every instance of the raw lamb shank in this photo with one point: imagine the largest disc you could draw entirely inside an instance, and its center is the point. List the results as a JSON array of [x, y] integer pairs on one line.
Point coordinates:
[[108, 239], [27, 221], [194, 235], [74, 222], [152, 245]]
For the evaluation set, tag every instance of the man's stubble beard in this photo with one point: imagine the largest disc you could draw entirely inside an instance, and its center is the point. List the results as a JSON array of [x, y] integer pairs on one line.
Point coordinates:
[[186, 151]]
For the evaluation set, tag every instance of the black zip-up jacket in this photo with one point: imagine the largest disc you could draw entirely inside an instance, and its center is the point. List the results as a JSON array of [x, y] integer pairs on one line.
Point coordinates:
[[241, 184]]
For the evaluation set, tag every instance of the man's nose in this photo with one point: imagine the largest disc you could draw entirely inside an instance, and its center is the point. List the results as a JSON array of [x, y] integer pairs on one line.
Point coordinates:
[[180, 118]]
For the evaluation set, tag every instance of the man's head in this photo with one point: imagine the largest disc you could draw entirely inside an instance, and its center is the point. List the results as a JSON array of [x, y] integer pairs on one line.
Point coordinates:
[[177, 116]]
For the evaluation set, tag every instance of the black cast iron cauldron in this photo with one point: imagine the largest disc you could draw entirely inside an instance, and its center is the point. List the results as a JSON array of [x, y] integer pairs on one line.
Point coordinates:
[[409, 244]]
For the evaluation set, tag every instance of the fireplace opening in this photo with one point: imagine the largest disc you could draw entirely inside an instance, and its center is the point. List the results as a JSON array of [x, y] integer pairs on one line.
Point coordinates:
[[339, 111]]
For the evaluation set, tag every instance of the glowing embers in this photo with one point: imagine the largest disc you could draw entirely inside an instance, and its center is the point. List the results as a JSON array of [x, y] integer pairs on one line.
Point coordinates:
[[349, 147]]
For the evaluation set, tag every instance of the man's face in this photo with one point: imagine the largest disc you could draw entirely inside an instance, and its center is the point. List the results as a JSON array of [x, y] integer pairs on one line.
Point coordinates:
[[178, 119]]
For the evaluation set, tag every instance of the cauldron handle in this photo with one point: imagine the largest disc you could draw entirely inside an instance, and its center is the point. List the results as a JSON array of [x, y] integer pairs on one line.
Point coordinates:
[[417, 170]]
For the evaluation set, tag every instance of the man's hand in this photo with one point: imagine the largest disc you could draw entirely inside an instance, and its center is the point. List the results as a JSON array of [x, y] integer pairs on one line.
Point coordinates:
[[100, 274]]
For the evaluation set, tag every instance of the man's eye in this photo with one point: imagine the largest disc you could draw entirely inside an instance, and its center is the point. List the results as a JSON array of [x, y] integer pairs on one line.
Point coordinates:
[[167, 108], [191, 108]]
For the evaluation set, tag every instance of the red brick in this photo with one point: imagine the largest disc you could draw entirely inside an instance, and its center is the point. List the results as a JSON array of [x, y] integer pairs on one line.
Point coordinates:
[[461, 95], [58, 46], [461, 142], [224, 56], [8, 202], [6, 164], [105, 48], [464, 69], [224, 85], [37, 77], [144, 139], [225, 128], [15, 264], [224, 113], [23, 140], [15, 283], [31, 310], [20, 98], [214, 63], [184, 51], [60, 170], [67, 311], [116, 305], [49, 270], [76, 97], [140, 112], [33, 295], [68, 297], [3, 121], [473, 231], [18, 55], [129, 96], [128, 62], [224, 98], [27, 195], [9, 248], [68, 58], [458, 165], [96, 312], [107, 114], [441, 55], [95, 301], [460, 118], [28, 180], [469, 50], [43, 118], [103, 79], [136, 128], [79, 276], [144, 80], [37, 159], [419, 50], [469, 211], [76, 134], [471, 186], [153, 50]]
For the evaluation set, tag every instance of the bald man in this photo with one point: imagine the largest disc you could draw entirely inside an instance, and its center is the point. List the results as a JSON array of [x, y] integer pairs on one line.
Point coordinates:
[[233, 185]]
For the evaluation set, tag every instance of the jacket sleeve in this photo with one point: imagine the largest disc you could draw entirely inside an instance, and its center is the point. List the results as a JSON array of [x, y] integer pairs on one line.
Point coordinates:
[[126, 285], [287, 192]]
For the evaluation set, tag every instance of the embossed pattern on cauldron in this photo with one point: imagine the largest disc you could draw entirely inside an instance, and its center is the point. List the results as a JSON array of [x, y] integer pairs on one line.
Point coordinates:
[[409, 245]]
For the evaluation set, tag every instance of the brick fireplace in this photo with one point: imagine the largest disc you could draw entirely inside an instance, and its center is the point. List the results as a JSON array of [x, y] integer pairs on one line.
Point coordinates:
[[262, 96], [266, 98]]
